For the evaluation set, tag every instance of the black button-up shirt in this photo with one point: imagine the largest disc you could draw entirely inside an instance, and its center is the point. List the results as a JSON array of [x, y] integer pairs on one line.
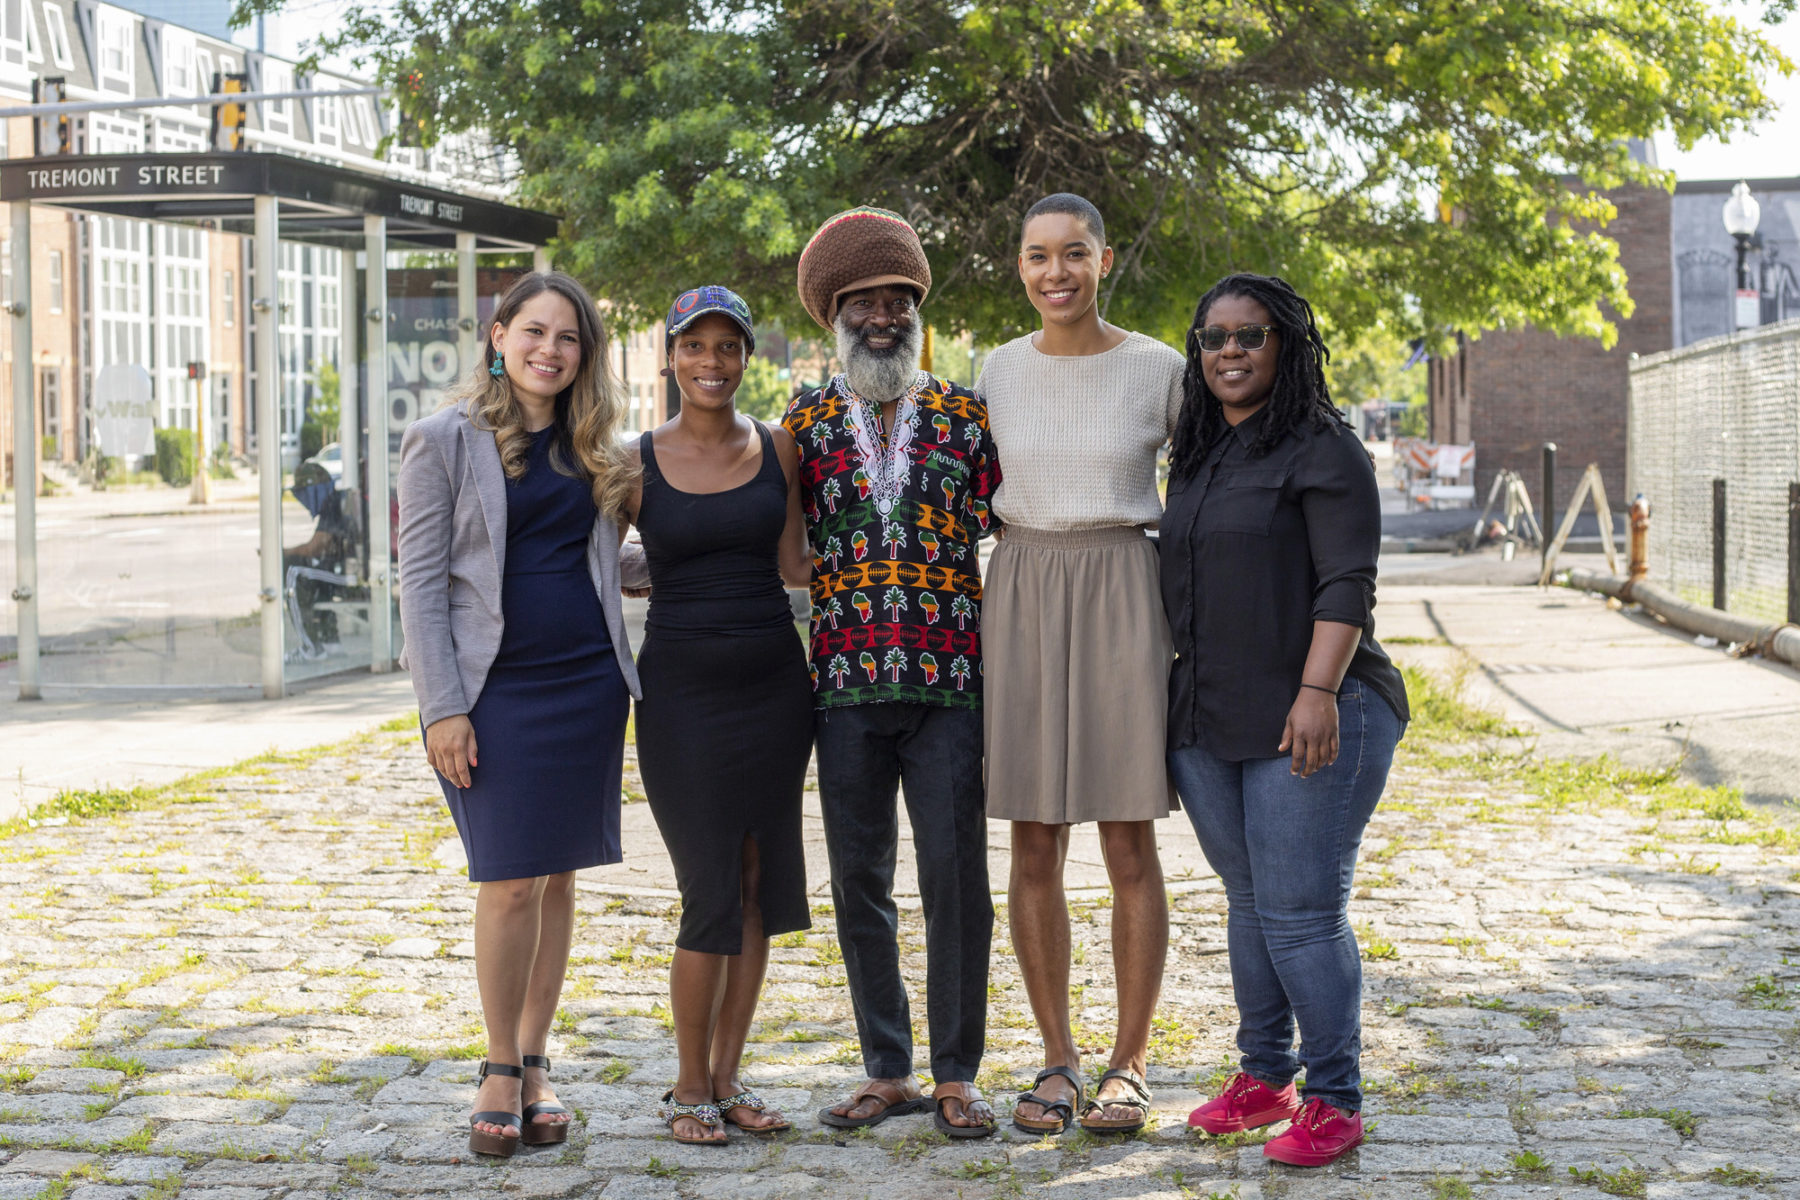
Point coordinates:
[[1254, 550]]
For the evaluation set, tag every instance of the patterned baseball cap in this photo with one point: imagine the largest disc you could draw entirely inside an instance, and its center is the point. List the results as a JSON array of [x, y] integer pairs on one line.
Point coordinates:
[[692, 305]]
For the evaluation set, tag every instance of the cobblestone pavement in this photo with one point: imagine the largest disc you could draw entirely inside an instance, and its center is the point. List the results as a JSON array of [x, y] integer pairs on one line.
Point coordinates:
[[264, 989]]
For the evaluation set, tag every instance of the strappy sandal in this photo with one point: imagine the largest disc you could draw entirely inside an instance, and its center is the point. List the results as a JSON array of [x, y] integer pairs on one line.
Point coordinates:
[[968, 1096], [543, 1133], [1139, 1099], [497, 1144], [672, 1110], [895, 1103], [1040, 1125], [754, 1102]]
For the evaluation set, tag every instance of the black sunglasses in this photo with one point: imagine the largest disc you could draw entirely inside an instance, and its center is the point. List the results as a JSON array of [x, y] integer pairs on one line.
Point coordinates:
[[1212, 339]]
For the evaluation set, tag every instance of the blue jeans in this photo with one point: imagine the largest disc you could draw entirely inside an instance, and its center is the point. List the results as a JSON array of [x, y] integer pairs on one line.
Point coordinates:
[[866, 753], [1285, 849]]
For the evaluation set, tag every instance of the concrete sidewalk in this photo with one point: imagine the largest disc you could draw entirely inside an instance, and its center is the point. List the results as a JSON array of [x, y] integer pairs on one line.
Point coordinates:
[[49, 745], [1592, 680]]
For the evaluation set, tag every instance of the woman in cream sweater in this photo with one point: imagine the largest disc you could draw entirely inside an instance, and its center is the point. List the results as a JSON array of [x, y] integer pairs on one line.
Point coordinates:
[[1077, 647]]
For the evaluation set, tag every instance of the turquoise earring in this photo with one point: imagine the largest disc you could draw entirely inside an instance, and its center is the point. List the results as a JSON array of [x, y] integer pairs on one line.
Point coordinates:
[[499, 366]]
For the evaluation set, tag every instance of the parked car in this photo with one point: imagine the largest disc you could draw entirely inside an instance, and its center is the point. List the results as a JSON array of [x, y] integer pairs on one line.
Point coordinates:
[[331, 458]]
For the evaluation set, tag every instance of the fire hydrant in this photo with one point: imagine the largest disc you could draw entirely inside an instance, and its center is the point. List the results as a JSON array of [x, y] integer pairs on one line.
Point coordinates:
[[1640, 537]]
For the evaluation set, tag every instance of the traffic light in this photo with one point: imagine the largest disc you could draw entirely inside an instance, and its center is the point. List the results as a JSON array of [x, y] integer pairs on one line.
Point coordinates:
[[54, 135], [411, 127], [231, 118], [196, 370]]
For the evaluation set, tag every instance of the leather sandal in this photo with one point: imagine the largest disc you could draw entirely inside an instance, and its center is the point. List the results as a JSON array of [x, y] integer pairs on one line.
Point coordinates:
[[1047, 1123], [968, 1095], [754, 1102], [672, 1110], [497, 1144], [543, 1133], [895, 1103], [1139, 1098]]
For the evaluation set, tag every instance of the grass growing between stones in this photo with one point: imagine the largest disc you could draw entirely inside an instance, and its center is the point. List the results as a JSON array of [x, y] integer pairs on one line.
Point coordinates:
[[86, 804], [1452, 737]]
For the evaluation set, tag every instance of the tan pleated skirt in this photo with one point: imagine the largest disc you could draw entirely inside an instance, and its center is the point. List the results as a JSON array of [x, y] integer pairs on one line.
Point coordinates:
[[1076, 655]]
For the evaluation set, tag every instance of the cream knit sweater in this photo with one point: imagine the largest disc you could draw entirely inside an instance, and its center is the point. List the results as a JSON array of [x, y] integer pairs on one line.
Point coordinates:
[[1077, 437]]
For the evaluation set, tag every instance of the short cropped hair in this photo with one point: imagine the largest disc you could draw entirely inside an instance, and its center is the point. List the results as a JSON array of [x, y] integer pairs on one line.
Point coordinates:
[[1073, 205]]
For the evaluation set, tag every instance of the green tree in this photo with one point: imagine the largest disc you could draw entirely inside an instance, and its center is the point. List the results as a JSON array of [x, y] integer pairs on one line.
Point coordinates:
[[1320, 139], [762, 394]]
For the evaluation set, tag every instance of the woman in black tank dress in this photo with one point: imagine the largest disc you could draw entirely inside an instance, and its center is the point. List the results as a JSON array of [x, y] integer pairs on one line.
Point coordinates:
[[724, 730]]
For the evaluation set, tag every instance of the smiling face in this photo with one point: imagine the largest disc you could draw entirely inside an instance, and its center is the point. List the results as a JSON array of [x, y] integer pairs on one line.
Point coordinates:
[[1061, 263], [540, 347], [1241, 379], [708, 358]]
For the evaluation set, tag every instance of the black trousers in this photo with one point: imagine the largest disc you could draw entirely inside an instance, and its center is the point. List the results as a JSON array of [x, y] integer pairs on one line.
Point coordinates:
[[866, 752]]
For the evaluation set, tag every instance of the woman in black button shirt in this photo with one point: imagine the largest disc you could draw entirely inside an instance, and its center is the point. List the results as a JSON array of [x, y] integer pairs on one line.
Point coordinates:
[[1284, 711]]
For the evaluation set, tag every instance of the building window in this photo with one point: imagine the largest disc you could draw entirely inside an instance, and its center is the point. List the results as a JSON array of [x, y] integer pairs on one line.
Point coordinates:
[[56, 281], [56, 30], [203, 71], [325, 127], [228, 296], [278, 115], [50, 406], [115, 135], [178, 62], [371, 129], [118, 67], [34, 49]]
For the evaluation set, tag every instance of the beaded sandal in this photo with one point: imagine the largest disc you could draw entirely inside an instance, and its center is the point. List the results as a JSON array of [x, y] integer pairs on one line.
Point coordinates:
[[754, 1102], [672, 1110]]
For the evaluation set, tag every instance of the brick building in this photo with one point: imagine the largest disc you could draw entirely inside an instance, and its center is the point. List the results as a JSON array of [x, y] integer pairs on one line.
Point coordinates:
[[1509, 392]]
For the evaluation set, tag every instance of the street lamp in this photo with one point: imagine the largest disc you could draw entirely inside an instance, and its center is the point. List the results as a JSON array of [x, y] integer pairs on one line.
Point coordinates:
[[1742, 213]]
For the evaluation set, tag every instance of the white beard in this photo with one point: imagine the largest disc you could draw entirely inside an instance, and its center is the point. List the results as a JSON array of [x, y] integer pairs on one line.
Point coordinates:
[[876, 376]]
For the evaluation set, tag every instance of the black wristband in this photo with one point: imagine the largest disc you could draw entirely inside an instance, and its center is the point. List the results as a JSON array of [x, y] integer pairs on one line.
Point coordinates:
[[1315, 687]]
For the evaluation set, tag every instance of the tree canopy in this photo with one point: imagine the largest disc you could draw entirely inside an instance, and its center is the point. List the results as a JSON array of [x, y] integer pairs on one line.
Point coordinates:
[[1411, 165]]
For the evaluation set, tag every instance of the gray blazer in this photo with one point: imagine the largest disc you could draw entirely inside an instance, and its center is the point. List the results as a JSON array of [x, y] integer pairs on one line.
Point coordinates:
[[453, 558]]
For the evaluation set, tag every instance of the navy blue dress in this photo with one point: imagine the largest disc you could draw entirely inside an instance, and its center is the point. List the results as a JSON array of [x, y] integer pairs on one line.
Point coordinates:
[[550, 721]]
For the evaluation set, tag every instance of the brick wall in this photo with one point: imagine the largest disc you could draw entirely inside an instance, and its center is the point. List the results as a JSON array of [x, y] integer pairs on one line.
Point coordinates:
[[1528, 387]]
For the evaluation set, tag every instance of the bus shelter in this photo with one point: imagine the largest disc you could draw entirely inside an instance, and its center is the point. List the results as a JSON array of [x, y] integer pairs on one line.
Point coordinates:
[[323, 595]]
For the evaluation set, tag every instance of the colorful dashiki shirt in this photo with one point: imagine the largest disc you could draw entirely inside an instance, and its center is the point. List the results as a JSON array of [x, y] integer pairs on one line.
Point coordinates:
[[894, 522]]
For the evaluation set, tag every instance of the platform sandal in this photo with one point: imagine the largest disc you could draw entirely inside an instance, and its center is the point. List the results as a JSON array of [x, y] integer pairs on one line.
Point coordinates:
[[1048, 1123], [1139, 1098], [497, 1144], [672, 1110], [543, 1133]]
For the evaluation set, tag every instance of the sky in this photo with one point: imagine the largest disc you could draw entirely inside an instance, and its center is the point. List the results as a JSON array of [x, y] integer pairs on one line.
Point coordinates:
[[1772, 148]]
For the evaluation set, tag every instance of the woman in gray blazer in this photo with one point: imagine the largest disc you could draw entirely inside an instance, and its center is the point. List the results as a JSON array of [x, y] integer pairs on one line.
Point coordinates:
[[509, 599]]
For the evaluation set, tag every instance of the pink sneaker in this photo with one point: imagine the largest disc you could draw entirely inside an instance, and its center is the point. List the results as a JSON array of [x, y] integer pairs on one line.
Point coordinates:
[[1246, 1103], [1320, 1134]]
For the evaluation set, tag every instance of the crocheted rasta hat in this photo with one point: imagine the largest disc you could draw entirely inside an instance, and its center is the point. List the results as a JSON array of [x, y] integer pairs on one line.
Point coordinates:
[[860, 248]]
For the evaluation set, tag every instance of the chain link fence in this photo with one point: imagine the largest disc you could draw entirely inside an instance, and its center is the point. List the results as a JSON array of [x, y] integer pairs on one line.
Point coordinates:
[[1723, 409]]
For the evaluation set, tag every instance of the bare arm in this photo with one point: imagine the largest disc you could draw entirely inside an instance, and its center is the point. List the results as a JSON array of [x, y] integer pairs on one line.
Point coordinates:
[[795, 555], [634, 568]]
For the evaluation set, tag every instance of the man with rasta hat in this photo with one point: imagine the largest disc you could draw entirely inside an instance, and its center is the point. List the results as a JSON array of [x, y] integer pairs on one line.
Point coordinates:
[[896, 471]]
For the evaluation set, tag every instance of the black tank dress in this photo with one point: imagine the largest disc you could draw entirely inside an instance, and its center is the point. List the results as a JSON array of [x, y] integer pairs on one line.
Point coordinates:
[[724, 730]]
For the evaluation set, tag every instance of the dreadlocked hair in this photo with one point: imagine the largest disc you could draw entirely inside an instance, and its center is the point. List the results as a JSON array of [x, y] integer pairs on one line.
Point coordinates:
[[1300, 396]]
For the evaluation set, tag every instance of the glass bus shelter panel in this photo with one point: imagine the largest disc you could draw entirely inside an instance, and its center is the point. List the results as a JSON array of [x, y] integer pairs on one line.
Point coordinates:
[[141, 588], [324, 569], [9, 608]]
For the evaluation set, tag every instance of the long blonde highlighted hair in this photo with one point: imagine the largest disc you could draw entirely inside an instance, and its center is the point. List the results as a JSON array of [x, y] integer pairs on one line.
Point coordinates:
[[589, 412]]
